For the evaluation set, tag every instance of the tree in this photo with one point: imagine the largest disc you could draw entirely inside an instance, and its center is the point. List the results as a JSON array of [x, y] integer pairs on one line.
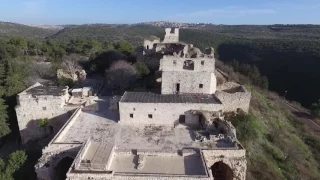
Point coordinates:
[[70, 65], [124, 47], [107, 46], [264, 83], [4, 127], [141, 68], [19, 43], [12, 164], [121, 74], [16, 76], [315, 110]]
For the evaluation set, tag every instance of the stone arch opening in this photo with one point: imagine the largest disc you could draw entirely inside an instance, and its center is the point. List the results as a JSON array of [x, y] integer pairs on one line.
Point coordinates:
[[62, 168], [188, 65], [221, 171]]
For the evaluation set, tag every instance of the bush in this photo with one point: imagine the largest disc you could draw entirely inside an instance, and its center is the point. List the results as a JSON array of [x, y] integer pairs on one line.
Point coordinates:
[[246, 127], [65, 82], [315, 110], [43, 122], [141, 68]]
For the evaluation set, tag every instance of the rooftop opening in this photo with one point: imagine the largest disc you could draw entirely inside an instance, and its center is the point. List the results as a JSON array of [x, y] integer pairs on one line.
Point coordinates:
[[150, 116], [200, 85]]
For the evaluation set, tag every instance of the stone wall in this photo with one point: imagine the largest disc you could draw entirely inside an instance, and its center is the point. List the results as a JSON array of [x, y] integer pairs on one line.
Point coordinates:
[[235, 159], [162, 113], [189, 82], [171, 36], [30, 109], [234, 101], [176, 63], [148, 44]]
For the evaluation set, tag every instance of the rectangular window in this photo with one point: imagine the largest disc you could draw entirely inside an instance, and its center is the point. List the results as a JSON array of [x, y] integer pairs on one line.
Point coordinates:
[[150, 116], [200, 85], [131, 115], [202, 63]]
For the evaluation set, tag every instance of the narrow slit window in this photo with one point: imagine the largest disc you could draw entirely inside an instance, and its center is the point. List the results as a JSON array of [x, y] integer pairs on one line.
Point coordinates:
[[200, 85], [202, 63], [150, 116], [131, 115]]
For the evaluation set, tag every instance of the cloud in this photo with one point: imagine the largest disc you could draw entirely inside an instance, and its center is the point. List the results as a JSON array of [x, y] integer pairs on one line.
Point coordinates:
[[226, 12]]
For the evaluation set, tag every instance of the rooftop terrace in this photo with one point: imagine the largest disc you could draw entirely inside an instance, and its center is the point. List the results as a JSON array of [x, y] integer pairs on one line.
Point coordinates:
[[44, 89]]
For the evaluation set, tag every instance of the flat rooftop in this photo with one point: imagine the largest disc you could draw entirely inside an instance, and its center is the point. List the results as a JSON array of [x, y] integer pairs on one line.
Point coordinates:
[[163, 138], [100, 125], [148, 97], [45, 89], [160, 165]]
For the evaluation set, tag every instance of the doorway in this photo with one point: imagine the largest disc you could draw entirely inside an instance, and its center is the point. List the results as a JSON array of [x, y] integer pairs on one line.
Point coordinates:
[[182, 119], [221, 171], [178, 88]]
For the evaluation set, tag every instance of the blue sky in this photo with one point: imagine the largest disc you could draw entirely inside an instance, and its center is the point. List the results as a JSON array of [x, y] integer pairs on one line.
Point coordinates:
[[133, 11]]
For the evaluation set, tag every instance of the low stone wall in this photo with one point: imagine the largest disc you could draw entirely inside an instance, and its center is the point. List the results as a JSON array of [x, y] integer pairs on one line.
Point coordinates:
[[234, 101], [67, 126]]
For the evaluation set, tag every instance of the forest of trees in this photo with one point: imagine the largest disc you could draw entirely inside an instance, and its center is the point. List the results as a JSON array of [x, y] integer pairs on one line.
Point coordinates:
[[18, 63]]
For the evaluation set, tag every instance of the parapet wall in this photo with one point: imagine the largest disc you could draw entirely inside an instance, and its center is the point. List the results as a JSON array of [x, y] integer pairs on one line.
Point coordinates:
[[176, 63], [234, 98]]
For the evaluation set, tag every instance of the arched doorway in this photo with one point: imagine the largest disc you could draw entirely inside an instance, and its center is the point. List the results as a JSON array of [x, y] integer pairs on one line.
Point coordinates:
[[221, 171], [62, 168]]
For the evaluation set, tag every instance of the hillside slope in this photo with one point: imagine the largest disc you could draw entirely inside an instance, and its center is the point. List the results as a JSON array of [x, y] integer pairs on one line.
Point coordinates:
[[282, 146], [8, 30]]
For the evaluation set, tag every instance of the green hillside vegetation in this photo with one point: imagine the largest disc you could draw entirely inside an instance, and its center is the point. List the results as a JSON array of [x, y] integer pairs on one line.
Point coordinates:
[[279, 146], [7, 30]]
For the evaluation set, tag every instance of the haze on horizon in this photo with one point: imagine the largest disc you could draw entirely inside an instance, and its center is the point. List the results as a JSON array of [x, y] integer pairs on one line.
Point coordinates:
[[58, 12]]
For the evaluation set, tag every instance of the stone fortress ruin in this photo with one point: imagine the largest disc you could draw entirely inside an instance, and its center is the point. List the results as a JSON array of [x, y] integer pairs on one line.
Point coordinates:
[[177, 134]]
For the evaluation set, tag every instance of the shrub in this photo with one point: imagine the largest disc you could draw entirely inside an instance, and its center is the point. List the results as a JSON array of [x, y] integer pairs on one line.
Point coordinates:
[[246, 127], [141, 68], [43, 122], [65, 82], [315, 110]]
